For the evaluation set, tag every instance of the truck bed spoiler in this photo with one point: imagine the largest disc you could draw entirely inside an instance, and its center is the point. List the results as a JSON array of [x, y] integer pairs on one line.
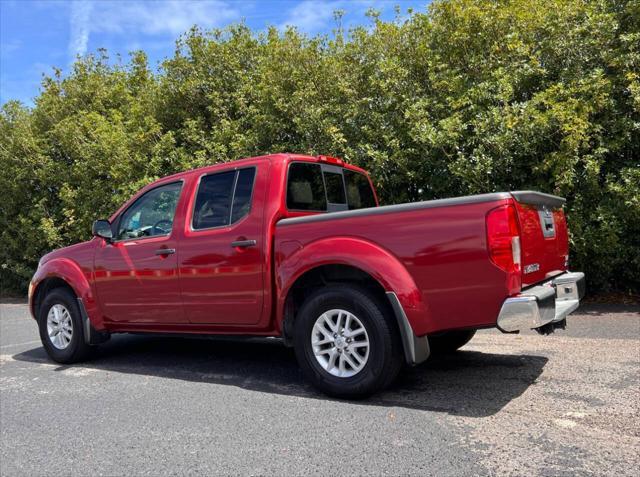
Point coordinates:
[[531, 197]]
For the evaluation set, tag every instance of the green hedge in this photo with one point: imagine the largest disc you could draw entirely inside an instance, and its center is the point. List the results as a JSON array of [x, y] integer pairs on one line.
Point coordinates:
[[468, 97]]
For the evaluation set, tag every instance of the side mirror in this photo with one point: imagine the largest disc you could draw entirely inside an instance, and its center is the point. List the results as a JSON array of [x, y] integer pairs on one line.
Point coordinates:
[[102, 228]]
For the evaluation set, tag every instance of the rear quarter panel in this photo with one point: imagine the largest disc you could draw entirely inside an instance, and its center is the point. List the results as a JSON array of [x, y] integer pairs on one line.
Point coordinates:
[[442, 249]]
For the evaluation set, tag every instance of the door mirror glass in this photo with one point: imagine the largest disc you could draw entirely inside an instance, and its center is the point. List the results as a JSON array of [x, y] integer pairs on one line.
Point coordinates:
[[102, 228]]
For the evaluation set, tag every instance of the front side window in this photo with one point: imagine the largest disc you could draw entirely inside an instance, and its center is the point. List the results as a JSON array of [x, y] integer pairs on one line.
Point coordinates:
[[152, 214], [223, 198]]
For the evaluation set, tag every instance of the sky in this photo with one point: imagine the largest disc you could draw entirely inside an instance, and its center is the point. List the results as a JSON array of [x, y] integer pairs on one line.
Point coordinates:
[[37, 35]]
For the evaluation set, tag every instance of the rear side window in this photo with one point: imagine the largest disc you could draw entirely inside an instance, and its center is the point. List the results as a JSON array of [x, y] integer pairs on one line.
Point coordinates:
[[359, 192], [305, 187], [223, 198]]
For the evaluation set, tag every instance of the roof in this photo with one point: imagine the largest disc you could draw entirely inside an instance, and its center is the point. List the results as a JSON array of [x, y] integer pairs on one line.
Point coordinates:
[[280, 156]]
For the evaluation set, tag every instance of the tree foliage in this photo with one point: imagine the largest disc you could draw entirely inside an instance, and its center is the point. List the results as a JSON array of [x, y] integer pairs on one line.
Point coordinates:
[[471, 96]]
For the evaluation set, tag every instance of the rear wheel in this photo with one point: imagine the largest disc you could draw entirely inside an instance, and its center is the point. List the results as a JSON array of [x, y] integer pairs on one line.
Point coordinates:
[[450, 341], [345, 343], [60, 326]]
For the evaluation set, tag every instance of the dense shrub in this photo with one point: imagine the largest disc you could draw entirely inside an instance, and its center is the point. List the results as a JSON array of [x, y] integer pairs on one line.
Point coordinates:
[[469, 97]]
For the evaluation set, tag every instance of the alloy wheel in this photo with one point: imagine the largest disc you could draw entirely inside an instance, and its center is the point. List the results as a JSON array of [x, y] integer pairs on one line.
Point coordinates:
[[59, 326], [340, 343]]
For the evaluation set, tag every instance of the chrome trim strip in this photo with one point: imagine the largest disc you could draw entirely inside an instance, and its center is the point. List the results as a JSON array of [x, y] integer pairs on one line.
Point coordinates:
[[416, 349], [532, 197], [390, 209]]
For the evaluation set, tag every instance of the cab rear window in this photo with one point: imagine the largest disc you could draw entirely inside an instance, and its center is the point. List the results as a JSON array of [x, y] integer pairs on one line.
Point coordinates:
[[305, 189], [335, 187], [359, 192], [322, 188]]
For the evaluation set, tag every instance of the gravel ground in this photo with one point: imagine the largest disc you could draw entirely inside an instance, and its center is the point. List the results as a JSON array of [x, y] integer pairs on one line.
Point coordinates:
[[566, 404]]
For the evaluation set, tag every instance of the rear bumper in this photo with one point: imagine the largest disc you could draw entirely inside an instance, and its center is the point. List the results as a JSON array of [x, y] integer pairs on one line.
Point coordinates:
[[543, 304]]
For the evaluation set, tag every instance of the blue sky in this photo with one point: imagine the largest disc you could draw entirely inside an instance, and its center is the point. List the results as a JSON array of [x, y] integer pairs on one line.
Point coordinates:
[[38, 35]]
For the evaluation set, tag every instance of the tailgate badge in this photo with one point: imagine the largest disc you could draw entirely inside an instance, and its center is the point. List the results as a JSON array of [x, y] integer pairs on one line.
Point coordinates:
[[534, 267]]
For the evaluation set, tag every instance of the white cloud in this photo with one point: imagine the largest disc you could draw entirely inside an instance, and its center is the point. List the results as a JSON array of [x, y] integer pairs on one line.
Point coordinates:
[[311, 15], [167, 17], [164, 17], [79, 24]]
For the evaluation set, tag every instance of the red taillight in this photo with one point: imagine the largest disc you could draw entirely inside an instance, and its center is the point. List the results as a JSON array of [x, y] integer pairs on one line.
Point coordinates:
[[503, 242]]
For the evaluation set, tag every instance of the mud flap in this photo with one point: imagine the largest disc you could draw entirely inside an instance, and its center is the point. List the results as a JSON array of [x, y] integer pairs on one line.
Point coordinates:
[[91, 335], [416, 349]]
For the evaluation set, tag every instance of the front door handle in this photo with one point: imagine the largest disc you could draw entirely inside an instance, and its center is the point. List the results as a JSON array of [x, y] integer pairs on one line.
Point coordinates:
[[243, 243], [165, 251]]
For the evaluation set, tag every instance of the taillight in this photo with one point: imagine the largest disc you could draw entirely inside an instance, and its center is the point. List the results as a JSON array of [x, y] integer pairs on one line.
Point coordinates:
[[503, 242]]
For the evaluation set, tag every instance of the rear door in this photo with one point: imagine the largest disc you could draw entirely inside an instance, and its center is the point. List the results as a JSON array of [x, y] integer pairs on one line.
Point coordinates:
[[544, 237], [222, 251]]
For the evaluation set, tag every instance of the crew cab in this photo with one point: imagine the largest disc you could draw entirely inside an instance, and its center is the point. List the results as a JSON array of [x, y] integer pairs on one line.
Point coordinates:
[[297, 247]]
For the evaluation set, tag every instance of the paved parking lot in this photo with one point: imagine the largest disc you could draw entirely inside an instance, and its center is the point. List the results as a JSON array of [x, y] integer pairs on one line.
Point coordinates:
[[567, 404]]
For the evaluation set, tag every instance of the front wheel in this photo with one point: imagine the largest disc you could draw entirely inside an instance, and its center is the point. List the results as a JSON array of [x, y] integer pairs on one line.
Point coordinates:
[[346, 343], [60, 326]]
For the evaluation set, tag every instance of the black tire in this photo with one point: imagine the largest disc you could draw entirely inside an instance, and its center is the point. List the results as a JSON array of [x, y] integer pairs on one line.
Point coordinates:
[[450, 341], [385, 356], [77, 350]]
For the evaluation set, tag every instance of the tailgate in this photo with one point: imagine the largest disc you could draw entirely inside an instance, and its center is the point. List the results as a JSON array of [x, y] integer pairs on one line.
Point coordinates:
[[544, 237]]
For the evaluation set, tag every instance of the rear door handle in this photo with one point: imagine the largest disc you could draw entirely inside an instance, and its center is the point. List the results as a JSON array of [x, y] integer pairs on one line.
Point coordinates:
[[243, 243], [165, 251]]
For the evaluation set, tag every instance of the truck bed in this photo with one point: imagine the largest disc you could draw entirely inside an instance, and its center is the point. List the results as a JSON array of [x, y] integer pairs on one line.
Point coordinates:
[[443, 246]]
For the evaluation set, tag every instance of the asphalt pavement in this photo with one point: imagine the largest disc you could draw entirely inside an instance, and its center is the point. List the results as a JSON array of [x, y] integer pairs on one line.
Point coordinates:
[[565, 404]]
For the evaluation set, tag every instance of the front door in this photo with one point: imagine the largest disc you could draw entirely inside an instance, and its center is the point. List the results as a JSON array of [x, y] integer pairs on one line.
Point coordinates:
[[221, 253], [136, 274]]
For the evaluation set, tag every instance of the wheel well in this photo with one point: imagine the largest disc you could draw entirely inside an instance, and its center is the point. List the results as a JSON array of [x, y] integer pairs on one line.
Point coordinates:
[[44, 288], [317, 277]]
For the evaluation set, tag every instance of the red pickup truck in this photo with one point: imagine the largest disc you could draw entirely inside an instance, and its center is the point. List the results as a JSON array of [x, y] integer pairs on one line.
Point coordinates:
[[296, 247]]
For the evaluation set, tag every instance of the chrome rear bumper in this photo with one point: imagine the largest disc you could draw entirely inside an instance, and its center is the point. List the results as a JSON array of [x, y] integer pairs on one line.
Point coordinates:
[[544, 304]]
